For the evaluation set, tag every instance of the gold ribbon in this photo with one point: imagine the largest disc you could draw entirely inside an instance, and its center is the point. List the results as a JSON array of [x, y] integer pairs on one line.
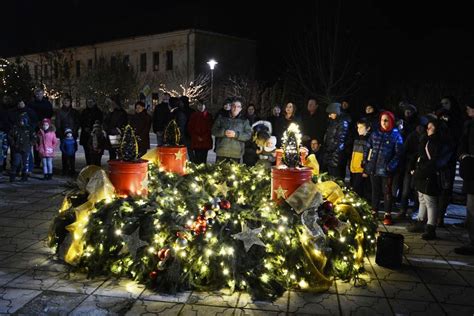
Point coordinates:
[[95, 181]]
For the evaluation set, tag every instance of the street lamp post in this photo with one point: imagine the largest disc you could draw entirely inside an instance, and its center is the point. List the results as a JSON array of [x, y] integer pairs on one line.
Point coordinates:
[[212, 63]]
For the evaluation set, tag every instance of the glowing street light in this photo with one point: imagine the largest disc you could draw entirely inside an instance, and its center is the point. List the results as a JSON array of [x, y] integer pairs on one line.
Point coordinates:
[[212, 64]]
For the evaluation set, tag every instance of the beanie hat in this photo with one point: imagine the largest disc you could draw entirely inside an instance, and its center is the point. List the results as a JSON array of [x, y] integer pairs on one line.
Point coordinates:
[[96, 124], [46, 120], [334, 108], [67, 130]]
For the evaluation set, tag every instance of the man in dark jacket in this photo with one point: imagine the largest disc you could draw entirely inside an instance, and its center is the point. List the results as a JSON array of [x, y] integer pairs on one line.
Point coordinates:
[[161, 118], [21, 137], [88, 117], [335, 141], [381, 159], [466, 158], [41, 105], [314, 122], [141, 122], [67, 117], [231, 134], [114, 122]]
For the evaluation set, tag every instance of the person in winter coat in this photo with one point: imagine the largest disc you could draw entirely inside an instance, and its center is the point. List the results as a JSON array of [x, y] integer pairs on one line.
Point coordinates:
[[67, 118], [225, 110], [161, 118], [97, 144], [43, 109], [335, 141], [251, 114], [451, 123], [314, 122], [88, 117], [68, 150], [359, 181], [267, 153], [426, 182], [46, 147], [371, 114], [289, 116], [275, 116], [381, 159], [231, 133], [21, 138], [199, 128], [13, 119], [466, 171], [141, 122], [410, 155], [114, 122]]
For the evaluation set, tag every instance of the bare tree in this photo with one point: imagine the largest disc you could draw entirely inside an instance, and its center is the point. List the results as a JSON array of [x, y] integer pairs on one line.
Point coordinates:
[[322, 59]]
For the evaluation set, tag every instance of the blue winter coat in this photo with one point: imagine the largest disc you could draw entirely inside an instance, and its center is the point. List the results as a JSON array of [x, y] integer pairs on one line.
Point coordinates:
[[382, 153], [69, 147]]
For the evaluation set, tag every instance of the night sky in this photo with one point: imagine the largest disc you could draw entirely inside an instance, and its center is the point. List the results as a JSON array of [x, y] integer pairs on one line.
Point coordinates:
[[396, 40]]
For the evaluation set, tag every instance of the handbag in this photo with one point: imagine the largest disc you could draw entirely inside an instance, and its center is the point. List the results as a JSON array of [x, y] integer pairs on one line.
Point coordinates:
[[114, 141], [466, 168], [389, 250]]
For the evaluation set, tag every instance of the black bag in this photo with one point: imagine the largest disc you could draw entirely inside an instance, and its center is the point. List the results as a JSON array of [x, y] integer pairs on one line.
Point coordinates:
[[466, 168], [389, 250]]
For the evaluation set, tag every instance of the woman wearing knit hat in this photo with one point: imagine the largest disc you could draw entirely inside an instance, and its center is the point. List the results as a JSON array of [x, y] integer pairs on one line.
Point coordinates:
[[381, 158]]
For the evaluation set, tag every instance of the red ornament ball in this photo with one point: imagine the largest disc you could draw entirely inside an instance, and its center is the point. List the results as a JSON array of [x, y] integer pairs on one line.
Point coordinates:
[[153, 275], [328, 206], [225, 204]]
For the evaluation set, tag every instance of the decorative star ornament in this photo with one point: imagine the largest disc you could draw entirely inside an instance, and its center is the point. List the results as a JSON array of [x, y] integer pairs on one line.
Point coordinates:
[[280, 193], [222, 188], [249, 237], [133, 243], [179, 155], [241, 200]]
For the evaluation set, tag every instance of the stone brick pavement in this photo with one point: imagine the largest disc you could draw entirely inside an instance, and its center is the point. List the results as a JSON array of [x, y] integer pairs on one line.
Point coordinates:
[[433, 280]]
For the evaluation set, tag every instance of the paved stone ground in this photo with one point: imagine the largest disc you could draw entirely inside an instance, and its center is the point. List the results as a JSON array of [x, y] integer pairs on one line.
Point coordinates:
[[433, 280]]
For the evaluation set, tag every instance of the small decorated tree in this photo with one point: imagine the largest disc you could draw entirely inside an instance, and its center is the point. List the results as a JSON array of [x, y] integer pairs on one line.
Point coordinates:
[[129, 145], [172, 135], [129, 174], [291, 146]]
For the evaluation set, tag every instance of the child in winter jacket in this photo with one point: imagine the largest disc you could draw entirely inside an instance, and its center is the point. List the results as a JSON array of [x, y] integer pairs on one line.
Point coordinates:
[[21, 138], [46, 146], [360, 181], [266, 154], [68, 150], [97, 143]]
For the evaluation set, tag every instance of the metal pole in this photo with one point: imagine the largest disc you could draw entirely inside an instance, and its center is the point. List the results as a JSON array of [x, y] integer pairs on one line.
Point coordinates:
[[212, 87]]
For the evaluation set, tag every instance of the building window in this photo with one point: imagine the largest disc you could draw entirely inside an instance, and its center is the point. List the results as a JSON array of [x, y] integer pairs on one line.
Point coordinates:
[[78, 68], [143, 62], [156, 61], [36, 72], [89, 64], [56, 70], [45, 71], [169, 60], [113, 62], [66, 70], [155, 99]]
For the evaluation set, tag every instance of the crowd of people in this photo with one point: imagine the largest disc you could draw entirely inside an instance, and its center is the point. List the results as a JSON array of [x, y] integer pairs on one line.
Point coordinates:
[[394, 157]]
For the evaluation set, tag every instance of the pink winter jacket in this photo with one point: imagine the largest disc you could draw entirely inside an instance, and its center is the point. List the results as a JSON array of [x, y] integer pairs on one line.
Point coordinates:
[[47, 143]]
